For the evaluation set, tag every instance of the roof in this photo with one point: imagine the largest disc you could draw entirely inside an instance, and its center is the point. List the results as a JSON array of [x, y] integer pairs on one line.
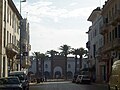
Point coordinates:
[[94, 14]]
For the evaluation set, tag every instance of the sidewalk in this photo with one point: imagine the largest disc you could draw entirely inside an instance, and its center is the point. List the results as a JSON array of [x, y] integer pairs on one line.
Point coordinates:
[[100, 83], [48, 80]]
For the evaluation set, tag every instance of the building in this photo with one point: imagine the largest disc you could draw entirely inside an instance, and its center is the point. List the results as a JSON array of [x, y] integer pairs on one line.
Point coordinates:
[[10, 19], [9, 37], [95, 44], [58, 67], [109, 27], [25, 44], [111, 33]]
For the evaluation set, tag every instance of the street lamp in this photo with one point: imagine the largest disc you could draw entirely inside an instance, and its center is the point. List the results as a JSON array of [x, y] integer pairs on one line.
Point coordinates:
[[20, 4], [21, 36]]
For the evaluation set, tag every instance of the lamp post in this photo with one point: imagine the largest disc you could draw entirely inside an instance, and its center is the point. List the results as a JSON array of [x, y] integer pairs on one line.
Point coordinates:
[[21, 36]]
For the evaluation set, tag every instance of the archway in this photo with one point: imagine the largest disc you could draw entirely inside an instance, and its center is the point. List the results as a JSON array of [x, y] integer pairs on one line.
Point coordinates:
[[57, 72]]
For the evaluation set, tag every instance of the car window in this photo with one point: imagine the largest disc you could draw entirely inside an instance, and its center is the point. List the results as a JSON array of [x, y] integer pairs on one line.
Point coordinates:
[[21, 77]]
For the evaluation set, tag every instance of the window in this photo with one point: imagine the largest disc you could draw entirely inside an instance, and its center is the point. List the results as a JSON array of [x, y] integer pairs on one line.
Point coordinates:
[[10, 37], [107, 38], [13, 19], [46, 66], [119, 31], [113, 35], [69, 66], [10, 18], [110, 36], [115, 32], [7, 14], [7, 37], [5, 11], [4, 37]]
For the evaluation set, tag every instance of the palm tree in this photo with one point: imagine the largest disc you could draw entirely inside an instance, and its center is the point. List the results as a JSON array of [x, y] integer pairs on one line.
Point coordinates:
[[39, 56], [52, 53], [36, 56], [81, 52], [65, 51], [75, 52], [42, 58]]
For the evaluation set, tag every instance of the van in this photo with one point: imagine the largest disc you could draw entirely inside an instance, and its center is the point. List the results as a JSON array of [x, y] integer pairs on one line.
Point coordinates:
[[22, 77], [114, 80]]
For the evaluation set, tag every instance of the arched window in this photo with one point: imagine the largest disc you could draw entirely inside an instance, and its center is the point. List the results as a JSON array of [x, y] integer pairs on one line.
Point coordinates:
[[69, 66], [46, 66]]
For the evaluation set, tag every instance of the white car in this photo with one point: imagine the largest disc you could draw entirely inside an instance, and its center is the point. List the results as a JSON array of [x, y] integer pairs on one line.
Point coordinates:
[[83, 79]]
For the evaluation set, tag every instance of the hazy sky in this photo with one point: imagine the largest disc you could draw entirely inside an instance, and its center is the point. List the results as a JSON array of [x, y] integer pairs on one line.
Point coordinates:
[[57, 22]]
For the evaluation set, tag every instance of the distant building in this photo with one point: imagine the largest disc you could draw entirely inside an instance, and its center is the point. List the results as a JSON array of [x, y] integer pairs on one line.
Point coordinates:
[[58, 67], [25, 43]]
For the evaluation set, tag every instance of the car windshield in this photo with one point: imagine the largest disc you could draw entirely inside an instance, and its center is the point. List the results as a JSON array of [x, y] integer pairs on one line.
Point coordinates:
[[21, 77], [9, 81]]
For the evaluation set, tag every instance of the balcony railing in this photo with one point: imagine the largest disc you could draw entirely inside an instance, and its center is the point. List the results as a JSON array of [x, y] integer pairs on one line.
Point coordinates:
[[115, 18], [12, 47], [115, 44], [104, 28], [11, 50]]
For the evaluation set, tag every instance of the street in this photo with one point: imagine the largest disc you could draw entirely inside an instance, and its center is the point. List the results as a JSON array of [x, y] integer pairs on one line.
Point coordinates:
[[65, 85]]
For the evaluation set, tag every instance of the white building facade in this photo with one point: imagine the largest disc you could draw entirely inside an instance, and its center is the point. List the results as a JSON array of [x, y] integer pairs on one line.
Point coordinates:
[[96, 41]]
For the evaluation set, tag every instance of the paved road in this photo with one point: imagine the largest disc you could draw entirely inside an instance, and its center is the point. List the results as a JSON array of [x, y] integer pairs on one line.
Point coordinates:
[[66, 85]]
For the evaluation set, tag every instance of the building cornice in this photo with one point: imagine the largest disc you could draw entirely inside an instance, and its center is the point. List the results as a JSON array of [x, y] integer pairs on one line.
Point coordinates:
[[12, 5]]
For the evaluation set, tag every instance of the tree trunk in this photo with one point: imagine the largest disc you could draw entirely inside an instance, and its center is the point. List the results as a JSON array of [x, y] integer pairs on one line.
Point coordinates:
[[75, 64], [65, 67], [80, 63], [52, 67]]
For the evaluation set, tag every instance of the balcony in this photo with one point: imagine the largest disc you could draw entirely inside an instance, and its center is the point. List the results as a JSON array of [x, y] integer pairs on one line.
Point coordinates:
[[11, 50], [115, 44], [107, 47], [26, 47], [104, 28], [115, 18], [88, 45]]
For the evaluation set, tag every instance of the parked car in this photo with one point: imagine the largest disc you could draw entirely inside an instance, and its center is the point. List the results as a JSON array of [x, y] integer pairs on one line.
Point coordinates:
[[74, 79], [10, 83], [78, 79], [114, 80], [85, 79], [22, 77]]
